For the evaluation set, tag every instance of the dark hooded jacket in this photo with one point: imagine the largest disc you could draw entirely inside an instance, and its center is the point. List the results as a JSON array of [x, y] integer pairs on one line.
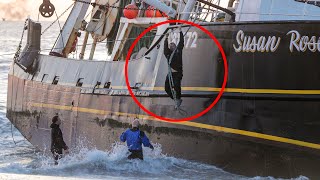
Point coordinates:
[[57, 141], [176, 62]]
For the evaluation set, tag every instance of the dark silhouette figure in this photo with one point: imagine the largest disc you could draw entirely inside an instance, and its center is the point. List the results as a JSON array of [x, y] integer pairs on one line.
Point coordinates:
[[57, 142]]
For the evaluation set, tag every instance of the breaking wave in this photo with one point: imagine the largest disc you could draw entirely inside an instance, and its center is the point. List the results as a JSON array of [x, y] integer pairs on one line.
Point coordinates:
[[93, 163]]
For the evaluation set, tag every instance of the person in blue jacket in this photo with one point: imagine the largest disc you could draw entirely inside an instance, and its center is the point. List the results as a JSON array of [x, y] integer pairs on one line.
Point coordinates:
[[135, 138]]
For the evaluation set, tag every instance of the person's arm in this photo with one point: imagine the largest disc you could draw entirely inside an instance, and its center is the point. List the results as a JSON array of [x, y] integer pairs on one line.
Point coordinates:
[[123, 136], [181, 42], [145, 140]]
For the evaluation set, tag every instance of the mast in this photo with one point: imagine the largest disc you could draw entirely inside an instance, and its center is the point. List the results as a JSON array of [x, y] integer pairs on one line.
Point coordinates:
[[70, 29]]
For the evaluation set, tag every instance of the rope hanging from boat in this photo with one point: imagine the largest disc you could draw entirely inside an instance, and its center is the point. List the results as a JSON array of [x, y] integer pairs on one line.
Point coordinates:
[[171, 83], [15, 60], [173, 91]]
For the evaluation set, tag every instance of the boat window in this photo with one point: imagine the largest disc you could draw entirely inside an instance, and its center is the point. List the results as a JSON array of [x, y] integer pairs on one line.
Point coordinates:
[[107, 85], [79, 82], [56, 80], [44, 78]]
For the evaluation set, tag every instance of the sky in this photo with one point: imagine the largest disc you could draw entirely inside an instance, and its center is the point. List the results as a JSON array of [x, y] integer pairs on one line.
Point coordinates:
[[20, 9]]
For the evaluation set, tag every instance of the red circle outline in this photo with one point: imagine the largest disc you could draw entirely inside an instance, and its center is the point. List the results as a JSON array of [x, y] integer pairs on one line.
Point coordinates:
[[224, 79]]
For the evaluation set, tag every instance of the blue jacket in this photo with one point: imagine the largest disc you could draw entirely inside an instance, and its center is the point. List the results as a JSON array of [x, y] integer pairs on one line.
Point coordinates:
[[135, 138]]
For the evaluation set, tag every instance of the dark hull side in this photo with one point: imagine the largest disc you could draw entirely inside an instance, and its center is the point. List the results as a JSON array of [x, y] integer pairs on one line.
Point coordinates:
[[266, 124]]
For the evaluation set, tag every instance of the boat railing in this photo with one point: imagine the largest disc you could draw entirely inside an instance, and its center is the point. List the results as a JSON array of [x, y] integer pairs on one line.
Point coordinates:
[[278, 14], [203, 16]]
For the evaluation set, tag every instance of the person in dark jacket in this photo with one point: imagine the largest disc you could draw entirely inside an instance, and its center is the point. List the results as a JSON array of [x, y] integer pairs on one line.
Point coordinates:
[[135, 138], [57, 142], [176, 67]]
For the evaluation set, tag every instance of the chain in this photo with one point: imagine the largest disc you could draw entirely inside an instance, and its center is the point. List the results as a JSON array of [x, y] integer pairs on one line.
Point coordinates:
[[56, 19], [17, 54]]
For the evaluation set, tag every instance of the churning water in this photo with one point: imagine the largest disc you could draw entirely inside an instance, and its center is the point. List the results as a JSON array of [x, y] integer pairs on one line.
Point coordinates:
[[23, 161]]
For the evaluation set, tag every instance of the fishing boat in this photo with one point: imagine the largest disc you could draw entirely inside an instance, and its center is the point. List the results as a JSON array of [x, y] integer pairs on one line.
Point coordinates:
[[266, 123]]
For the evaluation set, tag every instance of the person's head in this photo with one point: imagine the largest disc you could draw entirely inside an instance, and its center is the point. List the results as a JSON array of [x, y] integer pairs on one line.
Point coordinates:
[[172, 46], [135, 124], [56, 120]]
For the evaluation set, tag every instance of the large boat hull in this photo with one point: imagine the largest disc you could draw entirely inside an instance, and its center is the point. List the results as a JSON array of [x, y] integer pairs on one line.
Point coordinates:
[[265, 124]]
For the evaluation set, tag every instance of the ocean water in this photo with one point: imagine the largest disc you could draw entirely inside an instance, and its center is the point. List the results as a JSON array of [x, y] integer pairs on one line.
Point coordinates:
[[20, 160]]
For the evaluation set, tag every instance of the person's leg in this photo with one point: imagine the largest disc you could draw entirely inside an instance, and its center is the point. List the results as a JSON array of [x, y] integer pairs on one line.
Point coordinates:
[[131, 156], [136, 155], [140, 155], [57, 154], [167, 87], [177, 77], [56, 157]]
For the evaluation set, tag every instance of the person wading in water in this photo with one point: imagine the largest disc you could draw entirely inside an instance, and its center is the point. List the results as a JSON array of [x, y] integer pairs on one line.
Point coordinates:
[[176, 68], [57, 142], [135, 138]]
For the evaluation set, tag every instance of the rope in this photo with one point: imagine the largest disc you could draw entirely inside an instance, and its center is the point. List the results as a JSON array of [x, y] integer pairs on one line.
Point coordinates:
[[59, 28], [171, 83], [8, 54], [55, 42], [60, 33], [15, 59], [57, 19], [12, 101], [12, 135]]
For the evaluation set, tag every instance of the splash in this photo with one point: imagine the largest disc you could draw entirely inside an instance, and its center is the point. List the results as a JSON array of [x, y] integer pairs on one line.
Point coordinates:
[[87, 162]]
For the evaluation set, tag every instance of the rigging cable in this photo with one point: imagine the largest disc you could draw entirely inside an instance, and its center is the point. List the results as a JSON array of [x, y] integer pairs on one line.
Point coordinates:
[[57, 19], [7, 54], [60, 34]]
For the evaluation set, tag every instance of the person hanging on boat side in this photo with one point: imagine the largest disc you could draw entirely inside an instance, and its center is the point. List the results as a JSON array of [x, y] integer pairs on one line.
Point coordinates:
[[135, 138], [57, 142], [173, 54]]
